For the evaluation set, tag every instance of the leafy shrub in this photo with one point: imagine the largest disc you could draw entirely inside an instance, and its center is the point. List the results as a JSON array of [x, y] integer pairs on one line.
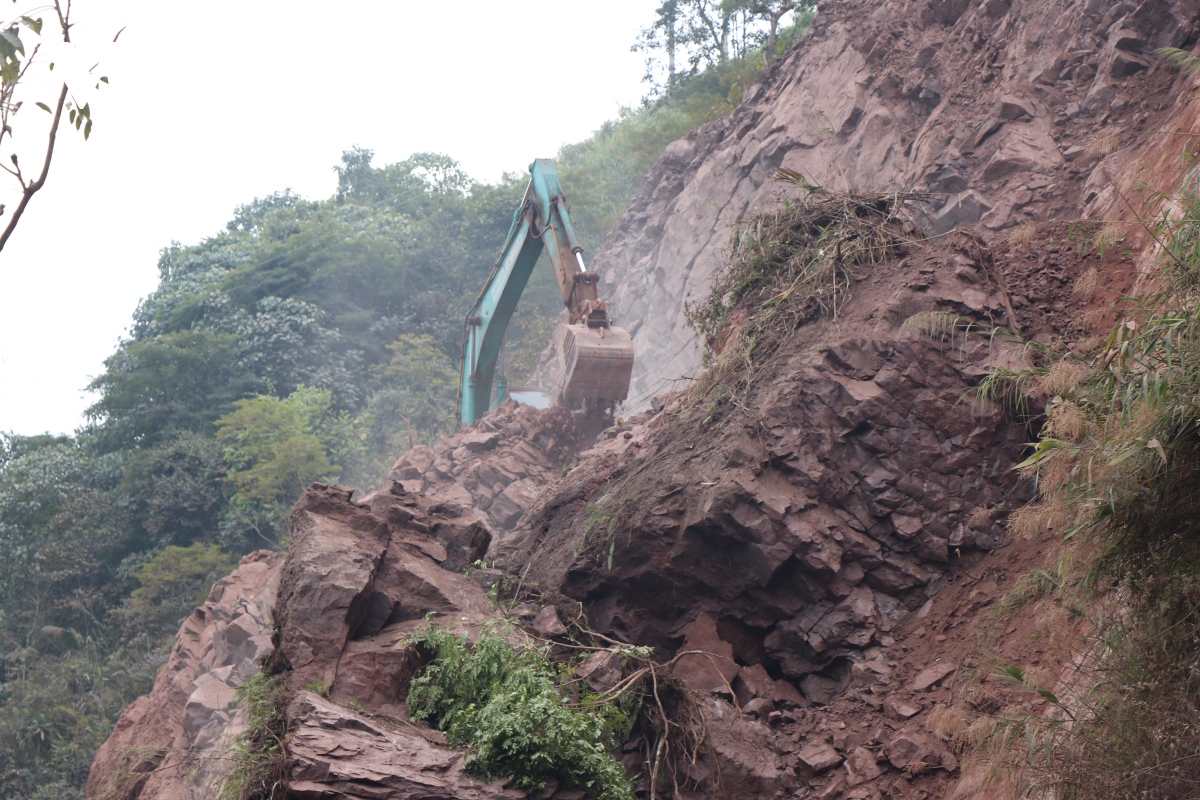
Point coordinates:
[[506, 704]]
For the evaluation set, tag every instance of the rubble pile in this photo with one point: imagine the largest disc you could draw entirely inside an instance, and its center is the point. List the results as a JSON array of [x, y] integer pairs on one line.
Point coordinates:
[[791, 534], [499, 464]]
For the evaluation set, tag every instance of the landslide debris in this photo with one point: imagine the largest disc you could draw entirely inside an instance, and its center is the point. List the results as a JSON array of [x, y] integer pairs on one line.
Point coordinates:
[[735, 535], [806, 499], [499, 464]]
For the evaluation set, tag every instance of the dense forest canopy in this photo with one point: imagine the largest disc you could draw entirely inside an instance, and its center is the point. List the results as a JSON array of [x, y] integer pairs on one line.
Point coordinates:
[[309, 340]]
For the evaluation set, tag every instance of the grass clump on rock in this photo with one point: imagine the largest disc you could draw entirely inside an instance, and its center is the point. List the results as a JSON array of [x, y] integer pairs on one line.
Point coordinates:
[[260, 758], [513, 709], [790, 265]]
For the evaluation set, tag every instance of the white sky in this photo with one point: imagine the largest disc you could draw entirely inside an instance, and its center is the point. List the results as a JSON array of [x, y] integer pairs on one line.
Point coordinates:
[[213, 103]]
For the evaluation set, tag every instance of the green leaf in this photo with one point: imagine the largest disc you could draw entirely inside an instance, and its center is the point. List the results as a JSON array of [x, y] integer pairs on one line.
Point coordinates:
[[1049, 695], [1011, 674], [43, 107], [1041, 450], [104, 79], [87, 130], [13, 39], [34, 24]]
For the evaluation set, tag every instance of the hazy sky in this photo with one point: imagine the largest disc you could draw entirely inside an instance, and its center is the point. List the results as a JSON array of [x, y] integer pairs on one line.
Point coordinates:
[[213, 103]]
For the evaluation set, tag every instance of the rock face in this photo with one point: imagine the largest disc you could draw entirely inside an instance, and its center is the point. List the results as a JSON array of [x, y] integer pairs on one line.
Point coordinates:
[[989, 104], [796, 533], [171, 744], [339, 753], [360, 578], [498, 465]]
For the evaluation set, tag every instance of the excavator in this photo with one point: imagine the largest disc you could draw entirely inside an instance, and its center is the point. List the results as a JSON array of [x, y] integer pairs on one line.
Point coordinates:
[[596, 357]]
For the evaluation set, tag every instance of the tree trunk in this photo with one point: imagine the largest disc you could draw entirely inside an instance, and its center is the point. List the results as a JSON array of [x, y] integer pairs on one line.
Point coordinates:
[[774, 16], [671, 12]]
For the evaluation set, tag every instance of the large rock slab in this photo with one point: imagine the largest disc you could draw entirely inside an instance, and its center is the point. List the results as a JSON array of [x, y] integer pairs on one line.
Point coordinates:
[[337, 753], [324, 592]]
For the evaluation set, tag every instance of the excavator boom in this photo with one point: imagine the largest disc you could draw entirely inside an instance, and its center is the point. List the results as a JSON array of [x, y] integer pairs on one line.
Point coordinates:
[[597, 358]]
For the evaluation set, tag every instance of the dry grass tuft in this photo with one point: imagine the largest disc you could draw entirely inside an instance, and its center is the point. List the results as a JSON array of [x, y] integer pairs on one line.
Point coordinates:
[[1028, 522], [947, 722], [1090, 320], [787, 267], [1062, 378], [979, 731], [1085, 284], [1048, 619], [1041, 678], [980, 516], [1066, 421], [936, 324], [1111, 234], [1023, 234], [1104, 143], [1052, 474]]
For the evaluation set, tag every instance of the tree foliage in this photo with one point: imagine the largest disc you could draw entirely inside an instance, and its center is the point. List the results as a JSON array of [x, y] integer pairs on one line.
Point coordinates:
[[690, 37], [272, 448]]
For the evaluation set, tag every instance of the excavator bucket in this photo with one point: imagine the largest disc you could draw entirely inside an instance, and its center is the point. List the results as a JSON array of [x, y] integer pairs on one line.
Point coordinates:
[[597, 362]]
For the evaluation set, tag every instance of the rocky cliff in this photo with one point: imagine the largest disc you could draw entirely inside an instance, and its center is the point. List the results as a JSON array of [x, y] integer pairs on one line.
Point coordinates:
[[832, 535], [175, 742], [992, 104]]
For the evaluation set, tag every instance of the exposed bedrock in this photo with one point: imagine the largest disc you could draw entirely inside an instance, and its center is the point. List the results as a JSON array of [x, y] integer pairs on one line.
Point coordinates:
[[991, 104], [174, 742], [791, 531]]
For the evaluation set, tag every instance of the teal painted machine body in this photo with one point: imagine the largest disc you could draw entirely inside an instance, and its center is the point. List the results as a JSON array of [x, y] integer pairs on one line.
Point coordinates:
[[540, 222]]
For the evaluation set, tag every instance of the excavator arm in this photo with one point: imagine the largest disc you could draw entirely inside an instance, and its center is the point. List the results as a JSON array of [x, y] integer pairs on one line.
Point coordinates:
[[597, 358]]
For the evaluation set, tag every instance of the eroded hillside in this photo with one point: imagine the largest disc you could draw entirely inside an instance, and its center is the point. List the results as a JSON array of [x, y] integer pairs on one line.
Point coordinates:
[[813, 535], [990, 104]]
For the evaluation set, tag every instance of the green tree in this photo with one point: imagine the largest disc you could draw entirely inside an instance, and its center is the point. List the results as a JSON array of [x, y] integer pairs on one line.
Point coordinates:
[[62, 534], [170, 586], [274, 448], [178, 381], [711, 34], [174, 490]]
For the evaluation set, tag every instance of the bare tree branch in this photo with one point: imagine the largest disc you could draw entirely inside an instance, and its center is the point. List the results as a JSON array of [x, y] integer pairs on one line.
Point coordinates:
[[35, 186]]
